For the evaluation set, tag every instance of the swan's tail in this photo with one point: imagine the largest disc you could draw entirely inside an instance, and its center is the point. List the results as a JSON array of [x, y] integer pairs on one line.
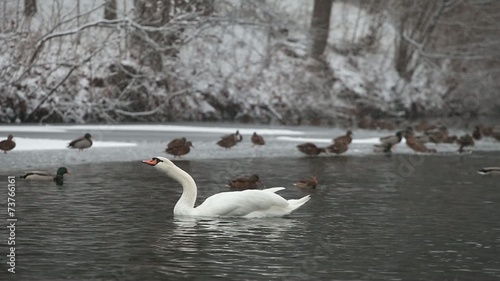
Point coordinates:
[[294, 204], [273, 189]]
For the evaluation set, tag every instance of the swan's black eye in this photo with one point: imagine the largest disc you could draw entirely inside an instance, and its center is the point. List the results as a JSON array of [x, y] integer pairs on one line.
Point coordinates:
[[158, 160]]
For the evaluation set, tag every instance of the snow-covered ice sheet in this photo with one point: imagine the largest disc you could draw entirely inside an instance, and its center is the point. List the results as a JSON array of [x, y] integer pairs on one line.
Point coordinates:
[[149, 128], [23, 144]]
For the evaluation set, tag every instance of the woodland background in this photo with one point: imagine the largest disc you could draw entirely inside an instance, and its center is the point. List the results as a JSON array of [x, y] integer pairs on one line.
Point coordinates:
[[316, 62]]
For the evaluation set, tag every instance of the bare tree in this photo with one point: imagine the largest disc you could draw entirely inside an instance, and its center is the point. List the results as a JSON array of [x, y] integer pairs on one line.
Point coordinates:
[[110, 9], [320, 24], [153, 14], [30, 8], [417, 22]]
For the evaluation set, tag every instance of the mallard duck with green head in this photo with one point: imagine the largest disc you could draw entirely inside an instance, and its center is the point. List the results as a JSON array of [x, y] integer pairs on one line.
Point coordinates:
[[45, 176]]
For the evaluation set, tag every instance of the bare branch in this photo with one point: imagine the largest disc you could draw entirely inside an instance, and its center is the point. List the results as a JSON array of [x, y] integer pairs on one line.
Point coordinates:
[[73, 68], [472, 55]]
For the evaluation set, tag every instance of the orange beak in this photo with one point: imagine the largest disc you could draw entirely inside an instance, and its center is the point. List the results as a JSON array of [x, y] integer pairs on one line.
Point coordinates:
[[151, 162]]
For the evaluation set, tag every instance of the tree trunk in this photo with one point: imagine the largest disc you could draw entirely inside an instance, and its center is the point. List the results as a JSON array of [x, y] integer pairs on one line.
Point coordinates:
[[110, 9], [320, 24], [147, 14], [29, 8]]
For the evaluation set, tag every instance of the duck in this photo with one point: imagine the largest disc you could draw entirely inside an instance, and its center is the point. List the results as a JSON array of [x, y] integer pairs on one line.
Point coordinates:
[[347, 138], [338, 148], [366, 123], [382, 147], [424, 126], [179, 147], [8, 144], [451, 139], [489, 171], [310, 149], [476, 134], [437, 135], [81, 143], [250, 182], [257, 139], [42, 175], [230, 140], [252, 203], [465, 140], [385, 125], [495, 132], [392, 139], [423, 138], [486, 130], [310, 183], [414, 144]]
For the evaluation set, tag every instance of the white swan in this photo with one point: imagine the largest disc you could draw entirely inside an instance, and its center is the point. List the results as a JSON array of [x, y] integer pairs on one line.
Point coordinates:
[[246, 203]]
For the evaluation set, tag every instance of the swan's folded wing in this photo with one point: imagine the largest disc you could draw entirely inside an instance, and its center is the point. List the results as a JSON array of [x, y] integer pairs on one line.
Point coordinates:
[[240, 203]]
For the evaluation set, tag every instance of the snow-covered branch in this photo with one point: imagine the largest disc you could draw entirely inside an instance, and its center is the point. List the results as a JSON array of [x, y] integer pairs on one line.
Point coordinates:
[[471, 55], [61, 82]]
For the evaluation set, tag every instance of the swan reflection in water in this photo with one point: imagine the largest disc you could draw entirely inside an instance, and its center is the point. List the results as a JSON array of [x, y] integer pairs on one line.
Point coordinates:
[[191, 234]]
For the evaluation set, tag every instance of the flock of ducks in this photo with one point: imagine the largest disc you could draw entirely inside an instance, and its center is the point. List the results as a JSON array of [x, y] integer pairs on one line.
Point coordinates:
[[416, 142], [181, 146], [79, 143]]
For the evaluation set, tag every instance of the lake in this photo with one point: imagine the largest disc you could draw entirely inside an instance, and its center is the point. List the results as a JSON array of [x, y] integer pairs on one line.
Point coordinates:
[[372, 217], [365, 221]]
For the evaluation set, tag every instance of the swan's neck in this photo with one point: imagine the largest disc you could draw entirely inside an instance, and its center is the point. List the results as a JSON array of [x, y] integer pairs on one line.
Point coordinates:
[[185, 205]]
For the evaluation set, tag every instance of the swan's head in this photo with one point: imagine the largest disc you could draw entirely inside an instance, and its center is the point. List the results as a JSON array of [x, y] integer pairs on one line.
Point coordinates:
[[158, 161], [161, 163]]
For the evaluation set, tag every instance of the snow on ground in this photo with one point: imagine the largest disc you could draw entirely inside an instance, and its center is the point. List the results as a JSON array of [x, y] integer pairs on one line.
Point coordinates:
[[23, 144], [150, 128]]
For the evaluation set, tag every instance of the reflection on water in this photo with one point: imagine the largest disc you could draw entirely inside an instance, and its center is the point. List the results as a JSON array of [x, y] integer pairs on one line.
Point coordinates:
[[371, 217]]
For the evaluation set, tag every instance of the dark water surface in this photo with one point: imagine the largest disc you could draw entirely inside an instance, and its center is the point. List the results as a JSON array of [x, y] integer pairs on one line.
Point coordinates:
[[373, 217]]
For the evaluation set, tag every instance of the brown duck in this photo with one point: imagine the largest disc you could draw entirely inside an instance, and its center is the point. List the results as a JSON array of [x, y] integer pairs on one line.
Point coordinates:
[[414, 144], [338, 148], [250, 182], [476, 134], [230, 140], [495, 132], [424, 126], [486, 130], [451, 139], [437, 135], [8, 144], [179, 147], [311, 183], [310, 148], [463, 141], [257, 139], [347, 138]]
